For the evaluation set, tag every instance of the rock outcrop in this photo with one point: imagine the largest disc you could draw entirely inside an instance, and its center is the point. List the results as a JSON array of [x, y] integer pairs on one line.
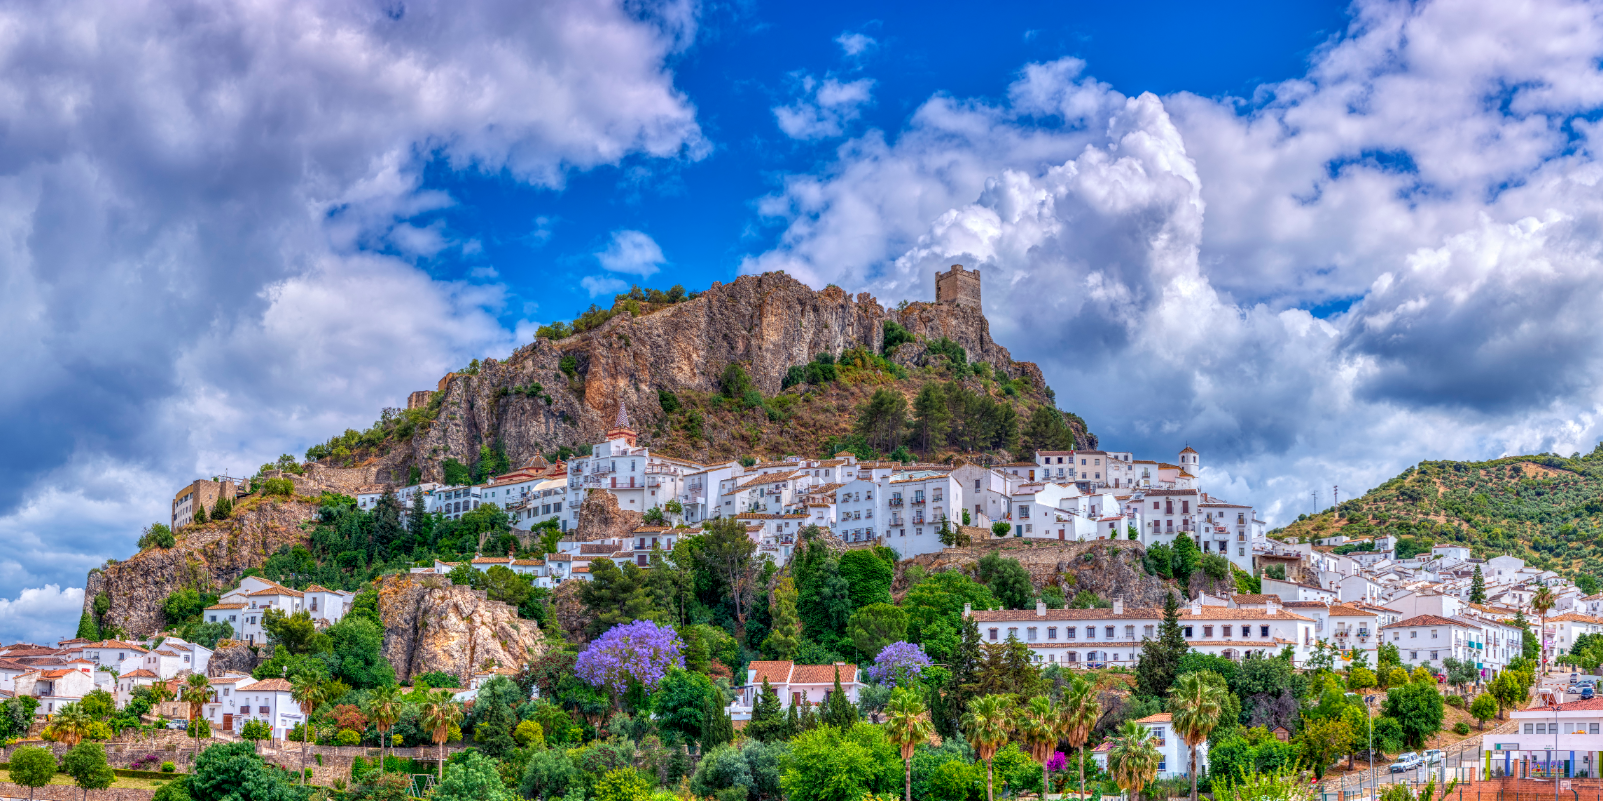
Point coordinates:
[[207, 556], [431, 624], [600, 518], [232, 657], [768, 323], [1107, 568]]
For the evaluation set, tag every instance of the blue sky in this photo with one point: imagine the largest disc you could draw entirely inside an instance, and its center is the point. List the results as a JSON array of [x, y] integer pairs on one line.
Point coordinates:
[[750, 58], [1319, 242]]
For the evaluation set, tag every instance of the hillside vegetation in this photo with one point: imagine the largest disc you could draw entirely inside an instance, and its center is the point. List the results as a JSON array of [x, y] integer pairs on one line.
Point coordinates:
[[1543, 508]]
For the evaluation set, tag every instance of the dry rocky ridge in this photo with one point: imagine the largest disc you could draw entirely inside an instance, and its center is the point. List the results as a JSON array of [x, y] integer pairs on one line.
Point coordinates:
[[431, 624], [207, 556], [768, 323]]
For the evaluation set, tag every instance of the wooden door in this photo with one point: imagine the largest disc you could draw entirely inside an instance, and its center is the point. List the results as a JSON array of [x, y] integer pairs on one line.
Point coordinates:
[[228, 722]]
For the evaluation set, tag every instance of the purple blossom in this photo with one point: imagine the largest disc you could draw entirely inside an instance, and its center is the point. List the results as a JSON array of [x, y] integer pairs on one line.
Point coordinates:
[[1057, 762], [898, 664], [640, 651]]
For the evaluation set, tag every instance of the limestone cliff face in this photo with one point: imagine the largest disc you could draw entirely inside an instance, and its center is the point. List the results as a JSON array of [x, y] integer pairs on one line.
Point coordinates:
[[207, 556], [768, 322], [232, 657], [1107, 568], [601, 518], [431, 624]]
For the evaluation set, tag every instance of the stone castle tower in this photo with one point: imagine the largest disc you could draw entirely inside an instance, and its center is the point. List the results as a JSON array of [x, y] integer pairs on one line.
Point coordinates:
[[961, 286]]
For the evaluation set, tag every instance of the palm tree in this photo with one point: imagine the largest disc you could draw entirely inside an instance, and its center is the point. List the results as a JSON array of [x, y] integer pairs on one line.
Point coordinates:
[[1195, 702], [197, 691], [439, 714], [1080, 711], [71, 724], [1039, 724], [986, 725], [1542, 603], [908, 724], [384, 710], [309, 693], [1133, 760]]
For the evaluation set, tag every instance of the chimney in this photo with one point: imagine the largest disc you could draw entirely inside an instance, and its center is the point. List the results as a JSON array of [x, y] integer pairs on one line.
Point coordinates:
[[1196, 606], [1040, 607], [1118, 606], [1273, 605], [968, 611]]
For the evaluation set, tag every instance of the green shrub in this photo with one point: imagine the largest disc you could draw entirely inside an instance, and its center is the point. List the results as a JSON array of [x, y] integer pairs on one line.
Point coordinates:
[[348, 738], [279, 486], [167, 766], [895, 335], [1462, 729], [668, 401]]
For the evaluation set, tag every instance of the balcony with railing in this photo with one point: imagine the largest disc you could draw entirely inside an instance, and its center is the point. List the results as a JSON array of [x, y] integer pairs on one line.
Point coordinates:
[[895, 501], [896, 521]]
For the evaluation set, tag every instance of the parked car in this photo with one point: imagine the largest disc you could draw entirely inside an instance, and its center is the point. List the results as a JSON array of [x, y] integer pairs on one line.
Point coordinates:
[[1587, 693], [1575, 676], [1406, 761], [1434, 756], [177, 724]]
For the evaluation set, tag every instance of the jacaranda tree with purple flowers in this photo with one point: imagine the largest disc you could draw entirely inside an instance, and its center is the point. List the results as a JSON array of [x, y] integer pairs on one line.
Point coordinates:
[[898, 664], [641, 651]]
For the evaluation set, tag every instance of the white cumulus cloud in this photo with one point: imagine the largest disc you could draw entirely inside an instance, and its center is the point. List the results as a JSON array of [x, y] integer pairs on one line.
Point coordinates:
[[193, 201], [823, 107], [37, 614], [633, 252], [1429, 189]]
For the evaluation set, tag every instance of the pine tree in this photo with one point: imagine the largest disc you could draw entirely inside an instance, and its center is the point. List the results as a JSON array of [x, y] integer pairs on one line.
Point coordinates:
[[87, 628], [1477, 587], [792, 722], [716, 729], [785, 638], [200, 513], [837, 711], [931, 417], [1160, 659], [767, 719]]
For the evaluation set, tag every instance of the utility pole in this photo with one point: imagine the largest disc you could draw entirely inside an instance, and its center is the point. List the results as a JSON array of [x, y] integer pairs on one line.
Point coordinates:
[[1335, 495]]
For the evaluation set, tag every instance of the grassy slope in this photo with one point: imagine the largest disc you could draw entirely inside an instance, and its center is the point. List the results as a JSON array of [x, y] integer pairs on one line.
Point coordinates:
[[1543, 508]]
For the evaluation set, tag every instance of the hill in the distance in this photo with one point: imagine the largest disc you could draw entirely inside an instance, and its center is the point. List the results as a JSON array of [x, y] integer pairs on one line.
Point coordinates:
[[1543, 508]]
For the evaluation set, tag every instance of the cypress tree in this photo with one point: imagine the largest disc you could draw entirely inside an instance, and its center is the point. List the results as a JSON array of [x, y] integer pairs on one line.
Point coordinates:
[[716, 729], [792, 722], [696, 658], [809, 718], [767, 719], [417, 522], [1160, 659], [1477, 587], [837, 711], [87, 628], [200, 513]]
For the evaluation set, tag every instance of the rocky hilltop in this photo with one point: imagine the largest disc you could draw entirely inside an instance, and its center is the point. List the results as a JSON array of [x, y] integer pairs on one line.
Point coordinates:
[[207, 556], [766, 323], [431, 624], [1109, 569]]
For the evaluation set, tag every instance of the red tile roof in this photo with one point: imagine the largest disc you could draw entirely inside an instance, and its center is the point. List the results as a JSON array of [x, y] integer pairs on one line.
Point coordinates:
[[1422, 620]]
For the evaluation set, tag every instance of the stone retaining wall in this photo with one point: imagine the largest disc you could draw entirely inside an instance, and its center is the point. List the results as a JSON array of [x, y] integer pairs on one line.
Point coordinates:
[[20, 792]]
